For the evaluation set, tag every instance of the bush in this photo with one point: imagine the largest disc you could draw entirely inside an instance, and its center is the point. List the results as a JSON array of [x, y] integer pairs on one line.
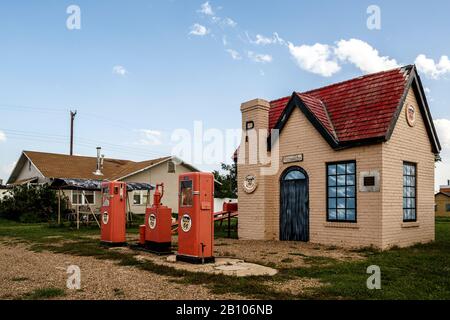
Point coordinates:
[[31, 204]]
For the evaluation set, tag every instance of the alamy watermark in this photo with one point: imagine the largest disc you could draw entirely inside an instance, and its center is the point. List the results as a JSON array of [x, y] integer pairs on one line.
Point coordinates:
[[374, 19], [74, 279], [374, 281], [73, 21]]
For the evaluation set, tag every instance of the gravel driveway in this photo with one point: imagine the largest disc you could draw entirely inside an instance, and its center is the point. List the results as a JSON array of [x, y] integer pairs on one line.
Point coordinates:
[[22, 271]]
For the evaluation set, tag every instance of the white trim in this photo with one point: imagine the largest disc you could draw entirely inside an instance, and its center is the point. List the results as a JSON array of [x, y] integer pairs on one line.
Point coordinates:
[[176, 159], [83, 203]]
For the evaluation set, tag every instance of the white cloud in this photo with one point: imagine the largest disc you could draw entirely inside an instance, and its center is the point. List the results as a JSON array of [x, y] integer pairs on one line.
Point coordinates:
[[7, 169], [263, 40], [427, 90], [229, 22], [149, 137], [258, 57], [443, 168], [316, 58], [432, 69], [443, 130], [206, 9], [120, 70], [224, 41], [2, 136], [363, 56], [234, 54], [199, 30]]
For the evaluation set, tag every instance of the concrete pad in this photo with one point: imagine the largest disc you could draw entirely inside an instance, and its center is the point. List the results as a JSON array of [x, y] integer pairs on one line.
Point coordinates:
[[225, 266]]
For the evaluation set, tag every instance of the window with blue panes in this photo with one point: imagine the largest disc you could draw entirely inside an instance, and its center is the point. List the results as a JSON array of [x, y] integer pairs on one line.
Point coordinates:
[[341, 186], [409, 192]]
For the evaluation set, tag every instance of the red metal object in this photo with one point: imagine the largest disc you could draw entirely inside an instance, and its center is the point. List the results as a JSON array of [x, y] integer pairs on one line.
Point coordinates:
[[158, 224], [195, 217], [142, 234], [230, 207], [113, 212]]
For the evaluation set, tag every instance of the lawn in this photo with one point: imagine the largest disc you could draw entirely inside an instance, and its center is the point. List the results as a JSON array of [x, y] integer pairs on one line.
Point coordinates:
[[418, 272]]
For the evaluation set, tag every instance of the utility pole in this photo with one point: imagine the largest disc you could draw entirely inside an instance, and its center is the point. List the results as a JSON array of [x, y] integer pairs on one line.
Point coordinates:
[[72, 118]]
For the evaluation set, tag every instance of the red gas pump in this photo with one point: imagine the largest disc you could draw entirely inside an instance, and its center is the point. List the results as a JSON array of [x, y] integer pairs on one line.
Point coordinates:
[[113, 213], [158, 224], [195, 217]]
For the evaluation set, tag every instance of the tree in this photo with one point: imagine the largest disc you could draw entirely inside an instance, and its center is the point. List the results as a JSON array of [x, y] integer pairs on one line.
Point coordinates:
[[30, 204], [226, 181]]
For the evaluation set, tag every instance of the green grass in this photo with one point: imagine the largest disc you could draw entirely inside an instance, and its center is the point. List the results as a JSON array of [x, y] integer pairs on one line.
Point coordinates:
[[418, 272], [44, 293]]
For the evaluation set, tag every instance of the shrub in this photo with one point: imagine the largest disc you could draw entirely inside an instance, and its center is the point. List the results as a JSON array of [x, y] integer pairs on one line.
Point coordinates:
[[33, 203]]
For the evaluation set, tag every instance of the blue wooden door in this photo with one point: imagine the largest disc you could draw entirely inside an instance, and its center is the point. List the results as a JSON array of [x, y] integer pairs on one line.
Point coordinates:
[[294, 206]]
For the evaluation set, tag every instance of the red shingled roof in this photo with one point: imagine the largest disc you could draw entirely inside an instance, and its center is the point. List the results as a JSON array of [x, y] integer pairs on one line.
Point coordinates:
[[357, 109]]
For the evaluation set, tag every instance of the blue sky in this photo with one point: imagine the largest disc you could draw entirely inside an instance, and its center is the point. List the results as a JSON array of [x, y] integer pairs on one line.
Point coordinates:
[[137, 70]]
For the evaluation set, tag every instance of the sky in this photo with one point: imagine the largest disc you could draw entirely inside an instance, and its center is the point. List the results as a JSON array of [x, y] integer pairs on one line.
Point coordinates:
[[140, 72]]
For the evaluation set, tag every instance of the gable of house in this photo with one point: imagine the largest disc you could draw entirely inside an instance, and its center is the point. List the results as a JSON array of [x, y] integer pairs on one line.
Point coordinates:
[[360, 111]]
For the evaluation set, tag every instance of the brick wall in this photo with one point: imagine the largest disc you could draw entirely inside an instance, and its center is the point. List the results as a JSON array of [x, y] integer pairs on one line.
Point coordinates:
[[408, 144]]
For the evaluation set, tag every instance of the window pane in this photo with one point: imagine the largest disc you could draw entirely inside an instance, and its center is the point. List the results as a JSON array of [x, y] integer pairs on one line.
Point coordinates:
[[350, 168], [295, 175], [350, 180], [332, 203], [351, 203], [351, 215], [341, 203], [341, 169], [341, 214], [331, 192], [341, 192], [350, 191], [332, 214], [341, 181], [186, 193], [332, 170], [332, 181], [137, 198], [89, 199]]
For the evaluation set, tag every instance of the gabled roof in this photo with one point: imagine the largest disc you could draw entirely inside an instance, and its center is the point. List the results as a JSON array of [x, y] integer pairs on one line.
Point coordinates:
[[447, 194], [357, 111], [53, 165]]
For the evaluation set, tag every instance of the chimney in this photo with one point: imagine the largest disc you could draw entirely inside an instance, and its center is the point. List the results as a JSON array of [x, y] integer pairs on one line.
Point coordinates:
[[98, 171], [255, 117]]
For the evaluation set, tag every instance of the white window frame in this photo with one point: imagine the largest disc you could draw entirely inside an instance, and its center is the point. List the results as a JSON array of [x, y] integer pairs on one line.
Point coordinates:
[[143, 197], [83, 200]]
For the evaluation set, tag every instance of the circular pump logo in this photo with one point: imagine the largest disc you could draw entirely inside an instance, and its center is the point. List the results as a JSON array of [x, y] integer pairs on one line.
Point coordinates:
[[152, 221], [105, 217], [186, 223]]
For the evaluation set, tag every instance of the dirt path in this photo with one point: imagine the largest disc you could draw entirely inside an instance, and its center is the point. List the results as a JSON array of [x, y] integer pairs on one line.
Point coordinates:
[[22, 271]]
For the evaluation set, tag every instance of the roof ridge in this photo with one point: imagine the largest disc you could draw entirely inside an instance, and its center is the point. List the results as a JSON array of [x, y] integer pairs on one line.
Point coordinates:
[[407, 67], [77, 156]]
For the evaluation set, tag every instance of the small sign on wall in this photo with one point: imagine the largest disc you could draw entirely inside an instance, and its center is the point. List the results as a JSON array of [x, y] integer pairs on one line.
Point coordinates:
[[369, 181], [293, 158]]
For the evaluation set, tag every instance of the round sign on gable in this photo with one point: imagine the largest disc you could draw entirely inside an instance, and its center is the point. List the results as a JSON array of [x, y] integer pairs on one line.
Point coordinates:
[[250, 183], [411, 115]]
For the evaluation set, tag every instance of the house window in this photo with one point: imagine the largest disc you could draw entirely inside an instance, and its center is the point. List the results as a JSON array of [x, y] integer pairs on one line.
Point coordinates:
[[171, 167], [447, 207], [139, 197], [341, 192], [409, 192], [79, 199]]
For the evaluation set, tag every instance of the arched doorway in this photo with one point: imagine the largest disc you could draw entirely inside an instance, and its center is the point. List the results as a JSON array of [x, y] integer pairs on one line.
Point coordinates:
[[294, 205]]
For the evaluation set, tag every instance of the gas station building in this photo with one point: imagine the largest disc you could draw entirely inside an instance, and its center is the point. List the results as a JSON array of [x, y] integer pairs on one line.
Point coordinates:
[[354, 164]]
